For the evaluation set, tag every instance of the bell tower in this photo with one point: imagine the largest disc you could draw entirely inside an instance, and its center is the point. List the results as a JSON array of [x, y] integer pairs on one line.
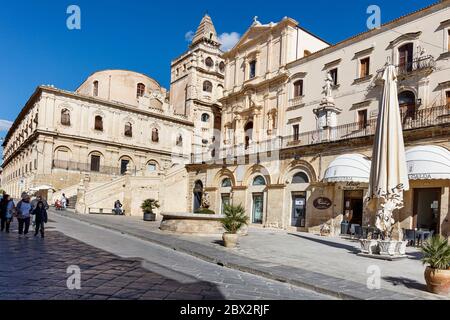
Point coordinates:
[[197, 82]]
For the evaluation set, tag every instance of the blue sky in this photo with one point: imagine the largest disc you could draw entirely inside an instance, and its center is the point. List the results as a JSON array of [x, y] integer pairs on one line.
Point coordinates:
[[37, 48]]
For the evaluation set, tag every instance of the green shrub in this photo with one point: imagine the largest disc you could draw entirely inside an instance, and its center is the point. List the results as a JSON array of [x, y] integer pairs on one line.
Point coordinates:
[[149, 204], [235, 218], [436, 253]]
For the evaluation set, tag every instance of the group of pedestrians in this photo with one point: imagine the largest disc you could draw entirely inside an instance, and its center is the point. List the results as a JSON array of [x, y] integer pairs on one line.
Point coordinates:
[[23, 212]]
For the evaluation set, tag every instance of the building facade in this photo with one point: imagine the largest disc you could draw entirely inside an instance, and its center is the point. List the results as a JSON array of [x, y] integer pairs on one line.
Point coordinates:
[[282, 123], [297, 140]]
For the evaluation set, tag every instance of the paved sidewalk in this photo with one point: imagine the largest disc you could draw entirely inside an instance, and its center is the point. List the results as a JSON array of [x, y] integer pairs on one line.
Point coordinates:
[[114, 266], [325, 265]]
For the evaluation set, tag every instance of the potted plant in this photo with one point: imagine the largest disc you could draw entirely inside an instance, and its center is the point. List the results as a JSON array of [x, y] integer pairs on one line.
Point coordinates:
[[436, 253], [235, 218], [147, 207]]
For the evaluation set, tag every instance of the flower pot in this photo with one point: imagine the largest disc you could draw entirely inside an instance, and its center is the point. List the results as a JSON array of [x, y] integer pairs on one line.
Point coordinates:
[[369, 246], [230, 239], [401, 247], [149, 216], [387, 247], [438, 281]]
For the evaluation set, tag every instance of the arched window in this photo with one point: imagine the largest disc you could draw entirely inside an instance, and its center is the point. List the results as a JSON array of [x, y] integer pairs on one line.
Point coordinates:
[[207, 86], [300, 177], [65, 117], [298, 88], [98, 123], [95, 89], [259, 181], [151, 166], [179, 141], [226, 183], [222, 67], [205, 117], [140, 90], [128, 131], [209, 62], [407, 103], [155, 135]]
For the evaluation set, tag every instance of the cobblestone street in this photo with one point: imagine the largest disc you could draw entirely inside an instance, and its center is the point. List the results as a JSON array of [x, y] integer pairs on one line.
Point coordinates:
[[117, 266]]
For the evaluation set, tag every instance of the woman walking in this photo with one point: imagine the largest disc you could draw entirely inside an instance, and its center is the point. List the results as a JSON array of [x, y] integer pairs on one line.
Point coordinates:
[[41, 218]]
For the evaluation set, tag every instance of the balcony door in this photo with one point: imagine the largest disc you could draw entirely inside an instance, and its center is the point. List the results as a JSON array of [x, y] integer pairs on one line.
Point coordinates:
[[407, 103], [405, 58]]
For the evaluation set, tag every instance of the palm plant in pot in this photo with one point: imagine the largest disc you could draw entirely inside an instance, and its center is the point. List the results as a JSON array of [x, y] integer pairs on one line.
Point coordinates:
[[436, 253], [235, 218], [147, 207]]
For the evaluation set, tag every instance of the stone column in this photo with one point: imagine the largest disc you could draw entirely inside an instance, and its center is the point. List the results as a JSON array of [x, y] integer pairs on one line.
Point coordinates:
[[444, 227], [275, 206]]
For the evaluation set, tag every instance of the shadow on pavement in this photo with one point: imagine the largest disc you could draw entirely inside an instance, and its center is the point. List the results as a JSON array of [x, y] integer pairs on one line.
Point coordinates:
[[409, 283], [34, 268], [351, 249]]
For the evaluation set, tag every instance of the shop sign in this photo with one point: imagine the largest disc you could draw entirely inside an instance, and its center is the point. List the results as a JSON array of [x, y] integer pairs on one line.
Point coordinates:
[[322, 203], [420, 176]]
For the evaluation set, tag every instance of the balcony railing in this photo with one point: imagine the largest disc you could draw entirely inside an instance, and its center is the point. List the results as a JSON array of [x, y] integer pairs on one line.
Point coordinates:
[[86, 167], [410, 120], [418, 64]]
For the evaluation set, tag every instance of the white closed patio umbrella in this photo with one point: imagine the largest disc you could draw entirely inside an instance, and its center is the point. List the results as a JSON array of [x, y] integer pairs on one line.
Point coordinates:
[[388, 174]]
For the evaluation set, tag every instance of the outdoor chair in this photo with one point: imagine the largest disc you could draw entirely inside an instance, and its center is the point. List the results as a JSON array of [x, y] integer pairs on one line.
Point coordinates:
[[358, 231], [410, 236]]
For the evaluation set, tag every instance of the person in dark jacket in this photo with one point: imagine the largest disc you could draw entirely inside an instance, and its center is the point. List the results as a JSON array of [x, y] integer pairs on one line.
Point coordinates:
[[7, 212], [41, 218]]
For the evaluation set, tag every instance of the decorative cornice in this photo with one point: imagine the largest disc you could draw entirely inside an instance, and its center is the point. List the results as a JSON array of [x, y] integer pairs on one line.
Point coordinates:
[[404, 37], [295, 120], [363, 53], [331, 64]]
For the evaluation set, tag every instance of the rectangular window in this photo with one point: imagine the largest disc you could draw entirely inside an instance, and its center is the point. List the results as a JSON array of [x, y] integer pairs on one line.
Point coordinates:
[[252, 66], [448, 40], [364, 67], [298, 88], [95, 163], [334, 76], [362, 118], [447, 96], [296, 132]]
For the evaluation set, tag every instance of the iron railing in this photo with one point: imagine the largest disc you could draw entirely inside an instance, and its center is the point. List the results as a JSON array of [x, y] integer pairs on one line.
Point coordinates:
[[417, 64], [410, 120], [86, 167]]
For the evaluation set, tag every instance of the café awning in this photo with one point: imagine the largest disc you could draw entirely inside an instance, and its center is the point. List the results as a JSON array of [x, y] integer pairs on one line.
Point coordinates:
[[428, 162], [348, 167]]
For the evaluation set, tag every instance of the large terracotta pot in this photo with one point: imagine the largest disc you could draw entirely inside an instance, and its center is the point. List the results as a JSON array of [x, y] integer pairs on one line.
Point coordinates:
[[438, 281], [230, 239]]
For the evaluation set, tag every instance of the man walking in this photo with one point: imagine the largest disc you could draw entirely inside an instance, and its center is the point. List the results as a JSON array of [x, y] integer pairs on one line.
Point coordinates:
[[23, 215]]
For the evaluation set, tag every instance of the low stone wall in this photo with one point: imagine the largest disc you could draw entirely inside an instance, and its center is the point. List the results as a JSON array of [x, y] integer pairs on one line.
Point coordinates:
[[190, 223]]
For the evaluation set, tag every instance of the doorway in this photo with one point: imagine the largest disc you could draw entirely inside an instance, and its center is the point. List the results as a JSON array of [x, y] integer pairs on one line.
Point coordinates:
[[124, 166], [427, 208], [225, 201], [198, 195], [353, 206], [298, 218], [407, 103], [258, 206]]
